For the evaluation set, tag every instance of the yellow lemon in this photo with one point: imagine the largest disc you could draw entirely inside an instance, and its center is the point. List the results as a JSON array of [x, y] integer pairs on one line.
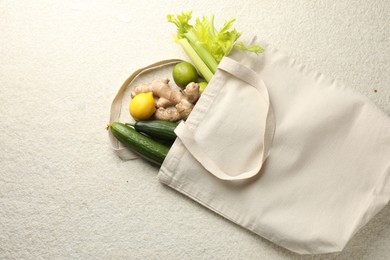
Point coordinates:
[[142, 106]]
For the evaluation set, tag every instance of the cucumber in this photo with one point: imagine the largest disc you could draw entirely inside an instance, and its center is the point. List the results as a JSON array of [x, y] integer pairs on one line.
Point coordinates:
[[142, 145], [162, 130]]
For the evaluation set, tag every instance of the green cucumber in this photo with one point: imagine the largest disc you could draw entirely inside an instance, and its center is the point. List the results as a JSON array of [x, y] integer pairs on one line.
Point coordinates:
[[142, 145], [162, 130]]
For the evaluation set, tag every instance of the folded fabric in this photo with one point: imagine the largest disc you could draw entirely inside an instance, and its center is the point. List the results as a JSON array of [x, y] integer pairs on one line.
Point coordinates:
[[283, 151]]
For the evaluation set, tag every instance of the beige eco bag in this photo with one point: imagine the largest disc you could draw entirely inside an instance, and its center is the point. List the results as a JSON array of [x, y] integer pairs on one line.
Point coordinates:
[[285, 152]]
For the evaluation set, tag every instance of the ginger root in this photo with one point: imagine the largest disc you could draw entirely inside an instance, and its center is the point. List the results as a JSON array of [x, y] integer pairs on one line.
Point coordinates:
[[163, 102], [184, 108], [172, 105], [159, 88], [167, 114], [191, 92]]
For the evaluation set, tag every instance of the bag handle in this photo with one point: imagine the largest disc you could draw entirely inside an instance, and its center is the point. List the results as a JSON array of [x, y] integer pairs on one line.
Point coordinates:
[[187, 137], [246, 74]]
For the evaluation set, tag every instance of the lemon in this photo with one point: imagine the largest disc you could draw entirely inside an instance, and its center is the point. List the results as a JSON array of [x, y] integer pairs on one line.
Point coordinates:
[[184, 73], [142, 106]]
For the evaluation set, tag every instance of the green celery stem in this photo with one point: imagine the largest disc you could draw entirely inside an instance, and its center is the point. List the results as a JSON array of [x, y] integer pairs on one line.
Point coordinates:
[[196, 60], [203, 53]]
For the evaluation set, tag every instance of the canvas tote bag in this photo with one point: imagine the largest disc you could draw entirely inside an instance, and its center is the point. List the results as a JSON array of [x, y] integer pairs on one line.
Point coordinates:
[[283, 151], [280, 150]]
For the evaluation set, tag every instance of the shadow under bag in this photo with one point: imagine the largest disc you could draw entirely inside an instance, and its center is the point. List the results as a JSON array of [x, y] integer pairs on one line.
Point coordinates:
[[285, 152]]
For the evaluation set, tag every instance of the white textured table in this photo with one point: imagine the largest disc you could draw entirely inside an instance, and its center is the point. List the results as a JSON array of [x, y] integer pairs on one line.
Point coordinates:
[[65, 195]]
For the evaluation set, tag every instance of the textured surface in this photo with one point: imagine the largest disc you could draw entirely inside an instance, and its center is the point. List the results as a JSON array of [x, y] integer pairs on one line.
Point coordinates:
[[65, 195]]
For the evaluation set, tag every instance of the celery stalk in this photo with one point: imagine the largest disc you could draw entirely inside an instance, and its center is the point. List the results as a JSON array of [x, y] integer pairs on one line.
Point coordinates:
[[203, 53], [204, 44], [196, 60]]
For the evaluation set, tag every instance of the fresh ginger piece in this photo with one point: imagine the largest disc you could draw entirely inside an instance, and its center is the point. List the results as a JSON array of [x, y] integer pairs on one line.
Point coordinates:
[[163, 102], [191, 92], [184, 108], [160, 88], [167, 114]]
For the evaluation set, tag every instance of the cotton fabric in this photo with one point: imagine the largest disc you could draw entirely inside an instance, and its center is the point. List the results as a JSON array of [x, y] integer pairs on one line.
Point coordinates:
[[328, 169]]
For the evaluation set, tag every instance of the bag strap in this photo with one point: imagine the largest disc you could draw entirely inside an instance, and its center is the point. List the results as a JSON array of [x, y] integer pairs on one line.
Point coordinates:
[[186, 135], [246, 74], [252, 78]]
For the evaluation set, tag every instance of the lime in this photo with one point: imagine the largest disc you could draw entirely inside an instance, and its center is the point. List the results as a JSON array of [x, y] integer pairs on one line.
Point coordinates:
[[202, 86], [184, 73], [142, 106]]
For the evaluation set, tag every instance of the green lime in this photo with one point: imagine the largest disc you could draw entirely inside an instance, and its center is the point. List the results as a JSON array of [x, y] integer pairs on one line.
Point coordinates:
[[202, 86], [184, 73]]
